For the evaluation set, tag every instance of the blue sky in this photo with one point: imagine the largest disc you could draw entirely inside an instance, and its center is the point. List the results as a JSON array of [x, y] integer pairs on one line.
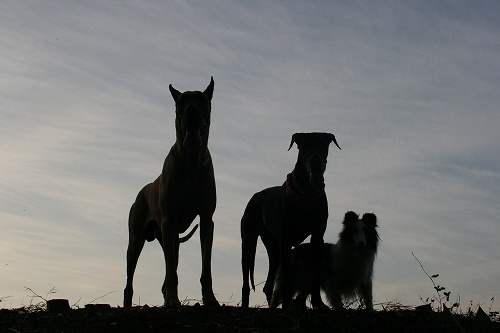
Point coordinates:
[[410, 90]]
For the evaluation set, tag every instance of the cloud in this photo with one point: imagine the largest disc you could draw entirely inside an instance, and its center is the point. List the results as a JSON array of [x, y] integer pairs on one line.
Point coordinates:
[[409, 91]]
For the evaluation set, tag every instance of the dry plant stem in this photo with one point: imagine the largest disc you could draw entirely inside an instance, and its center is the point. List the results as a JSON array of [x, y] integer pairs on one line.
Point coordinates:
[[35, 295], [76, 304], [92, 301], [430, 278]]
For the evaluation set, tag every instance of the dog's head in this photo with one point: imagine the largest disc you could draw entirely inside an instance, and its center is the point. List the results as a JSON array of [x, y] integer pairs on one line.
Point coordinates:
[[192, 116], [313, 153], [360, 233]]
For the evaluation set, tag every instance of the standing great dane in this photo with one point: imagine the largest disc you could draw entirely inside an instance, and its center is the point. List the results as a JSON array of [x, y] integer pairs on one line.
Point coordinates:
[[185, 189], [283, 216]]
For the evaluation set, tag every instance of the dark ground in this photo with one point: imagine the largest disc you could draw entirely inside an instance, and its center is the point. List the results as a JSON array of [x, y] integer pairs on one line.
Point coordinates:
[[226, 319]]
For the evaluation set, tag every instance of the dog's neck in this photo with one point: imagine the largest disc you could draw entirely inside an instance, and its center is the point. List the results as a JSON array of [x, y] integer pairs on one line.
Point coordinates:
[[300, 191], [192, 162], [348, 256], [301, 181]]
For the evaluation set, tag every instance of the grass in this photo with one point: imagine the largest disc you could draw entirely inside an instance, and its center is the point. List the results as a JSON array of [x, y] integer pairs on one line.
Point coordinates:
[[438, 312]]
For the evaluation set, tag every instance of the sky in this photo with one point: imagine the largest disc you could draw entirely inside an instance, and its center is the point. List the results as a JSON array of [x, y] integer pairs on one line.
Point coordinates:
[[410, 89]]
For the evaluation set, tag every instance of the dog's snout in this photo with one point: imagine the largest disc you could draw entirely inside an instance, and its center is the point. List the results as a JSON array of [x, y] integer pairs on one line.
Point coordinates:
[[191, 112], [191, 119], [360, 240], [316, 168], [317, 164]]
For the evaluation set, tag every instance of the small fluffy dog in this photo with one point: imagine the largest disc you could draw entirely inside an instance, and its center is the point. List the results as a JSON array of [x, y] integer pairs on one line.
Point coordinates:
[[346, 269]]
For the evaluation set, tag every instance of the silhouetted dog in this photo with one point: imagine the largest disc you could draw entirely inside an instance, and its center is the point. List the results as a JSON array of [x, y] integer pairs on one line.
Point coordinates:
[[283, 216], [346, 269], [186, 188]]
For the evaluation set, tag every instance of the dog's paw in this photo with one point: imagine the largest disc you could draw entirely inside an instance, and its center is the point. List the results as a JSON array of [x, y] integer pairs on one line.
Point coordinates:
[[321, 307], [295, 306], [172, 303], [211, 302]]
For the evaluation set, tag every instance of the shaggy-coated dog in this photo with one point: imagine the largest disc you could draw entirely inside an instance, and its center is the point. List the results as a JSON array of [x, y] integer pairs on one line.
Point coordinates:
[[346, 269]]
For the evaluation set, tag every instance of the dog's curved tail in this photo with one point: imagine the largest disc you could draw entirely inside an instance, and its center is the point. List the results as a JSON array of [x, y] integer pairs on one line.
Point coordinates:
[[189, 235]]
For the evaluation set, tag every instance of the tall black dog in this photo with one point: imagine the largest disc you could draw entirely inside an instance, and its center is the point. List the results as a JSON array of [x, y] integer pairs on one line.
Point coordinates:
[[185, 188], [283, 216]]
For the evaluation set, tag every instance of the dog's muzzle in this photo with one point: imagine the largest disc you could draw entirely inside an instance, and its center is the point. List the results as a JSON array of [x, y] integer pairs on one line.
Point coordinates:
[[361, 246], [194, 128], [316, 167]]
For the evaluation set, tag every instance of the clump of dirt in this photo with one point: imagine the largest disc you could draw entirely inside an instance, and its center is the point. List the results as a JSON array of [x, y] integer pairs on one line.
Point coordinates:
[[226, 319]]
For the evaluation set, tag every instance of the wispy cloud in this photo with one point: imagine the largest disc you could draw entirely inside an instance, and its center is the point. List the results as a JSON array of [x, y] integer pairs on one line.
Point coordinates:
[[410, 91]]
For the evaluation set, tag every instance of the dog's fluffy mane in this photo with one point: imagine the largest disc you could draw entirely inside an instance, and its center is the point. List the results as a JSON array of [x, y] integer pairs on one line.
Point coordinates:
[[355, 263]]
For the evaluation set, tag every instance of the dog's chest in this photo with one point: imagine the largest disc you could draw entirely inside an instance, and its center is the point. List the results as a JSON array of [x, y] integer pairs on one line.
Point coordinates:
[[297, 225], [350, 267], [297, 228], [187, 197]]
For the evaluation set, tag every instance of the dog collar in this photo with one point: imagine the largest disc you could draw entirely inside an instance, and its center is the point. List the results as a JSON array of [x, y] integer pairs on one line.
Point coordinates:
[[302, 200]]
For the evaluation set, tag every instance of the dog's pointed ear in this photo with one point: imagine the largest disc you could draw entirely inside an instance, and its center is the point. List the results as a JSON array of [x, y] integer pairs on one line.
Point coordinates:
[[370, 219], [295, 138], [210, 89], [332, 139], [175, 93], [350, 217]]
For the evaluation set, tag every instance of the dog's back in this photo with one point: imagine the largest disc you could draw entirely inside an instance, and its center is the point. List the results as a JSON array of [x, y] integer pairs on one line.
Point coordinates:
[[347, 267]]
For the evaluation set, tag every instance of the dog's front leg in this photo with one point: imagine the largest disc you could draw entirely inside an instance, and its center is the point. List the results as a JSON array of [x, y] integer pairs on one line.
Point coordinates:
[[206, 241], [317, 253], [336, 300], [170, 238], [367, 295], [286, 271]]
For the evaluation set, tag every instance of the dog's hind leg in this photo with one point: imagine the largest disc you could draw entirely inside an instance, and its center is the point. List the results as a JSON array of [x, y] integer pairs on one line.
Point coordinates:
[[277, 292], [336, 300], [133, 252], [273, 253], [332, 292], [135, 244]]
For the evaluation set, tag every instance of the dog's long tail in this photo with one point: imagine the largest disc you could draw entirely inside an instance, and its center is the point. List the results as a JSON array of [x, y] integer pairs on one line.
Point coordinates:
[[252, 266], [249, 238], [249, 249], [248, 261], [188, 236]]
